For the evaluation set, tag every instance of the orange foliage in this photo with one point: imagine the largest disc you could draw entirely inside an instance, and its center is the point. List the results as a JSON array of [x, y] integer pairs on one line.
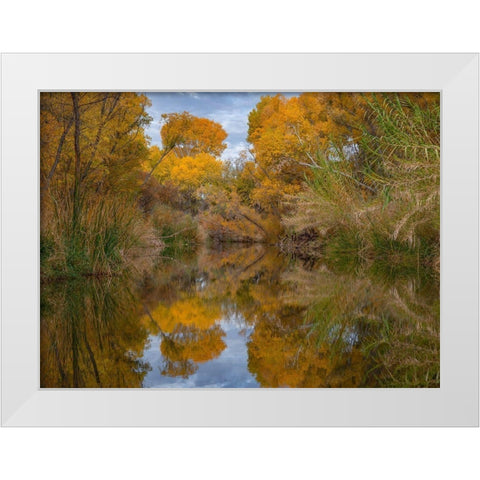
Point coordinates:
[[190, 135], [189, 333], [192, 343], [188, 311], [190, 172], [282, 355], [112, 145], [288, 134]]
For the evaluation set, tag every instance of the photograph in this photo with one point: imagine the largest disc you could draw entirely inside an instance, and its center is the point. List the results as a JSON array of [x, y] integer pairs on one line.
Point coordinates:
[[244, 239]]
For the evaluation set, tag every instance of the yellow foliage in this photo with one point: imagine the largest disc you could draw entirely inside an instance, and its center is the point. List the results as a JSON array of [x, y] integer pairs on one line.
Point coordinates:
[[287, 357], [194, 344], [111, 147], [188, 311], [190, 173], [287, 135], [190, 135]]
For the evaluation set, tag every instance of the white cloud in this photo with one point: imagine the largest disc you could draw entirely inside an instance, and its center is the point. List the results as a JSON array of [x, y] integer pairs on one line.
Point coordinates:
[[153, 129], [233, 121], [233, 150]]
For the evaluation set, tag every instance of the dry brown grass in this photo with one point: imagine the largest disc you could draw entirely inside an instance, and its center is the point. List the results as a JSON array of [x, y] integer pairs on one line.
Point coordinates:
[[392, 198]]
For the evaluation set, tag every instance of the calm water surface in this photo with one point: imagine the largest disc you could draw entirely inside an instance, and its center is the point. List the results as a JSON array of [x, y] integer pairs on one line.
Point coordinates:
[[242, 317]]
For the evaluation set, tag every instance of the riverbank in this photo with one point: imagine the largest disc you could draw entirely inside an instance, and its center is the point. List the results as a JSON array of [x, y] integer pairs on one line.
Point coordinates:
[[350, 251]]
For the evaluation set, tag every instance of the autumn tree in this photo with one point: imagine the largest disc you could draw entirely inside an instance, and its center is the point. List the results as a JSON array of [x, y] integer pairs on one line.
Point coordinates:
[[189, 135], [92, 140], [93, 146], [191, 172], [184, 135], [287, 135]]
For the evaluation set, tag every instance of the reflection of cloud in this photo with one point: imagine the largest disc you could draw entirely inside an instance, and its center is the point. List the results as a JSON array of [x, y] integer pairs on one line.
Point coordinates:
[[228, 370]]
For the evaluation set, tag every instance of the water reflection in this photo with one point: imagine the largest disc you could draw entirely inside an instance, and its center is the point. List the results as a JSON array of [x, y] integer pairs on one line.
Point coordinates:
[[241, 317], [90, 335]]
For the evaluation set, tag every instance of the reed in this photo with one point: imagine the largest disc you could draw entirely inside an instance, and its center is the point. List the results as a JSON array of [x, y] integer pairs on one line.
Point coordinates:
[[383, 201], [103, 237]]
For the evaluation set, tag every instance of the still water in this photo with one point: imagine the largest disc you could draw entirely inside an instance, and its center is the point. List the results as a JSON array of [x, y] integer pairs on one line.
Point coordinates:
[[245, 317]]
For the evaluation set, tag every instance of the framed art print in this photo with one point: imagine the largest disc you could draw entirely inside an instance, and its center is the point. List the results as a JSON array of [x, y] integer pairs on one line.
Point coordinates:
[[185, 243]]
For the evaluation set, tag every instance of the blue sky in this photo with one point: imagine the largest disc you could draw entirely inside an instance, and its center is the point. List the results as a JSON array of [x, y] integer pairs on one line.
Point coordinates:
[[229, 109]]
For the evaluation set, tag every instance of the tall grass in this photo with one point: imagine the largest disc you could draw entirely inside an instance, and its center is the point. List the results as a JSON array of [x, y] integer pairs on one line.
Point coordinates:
[[103, 237], [384, 202]]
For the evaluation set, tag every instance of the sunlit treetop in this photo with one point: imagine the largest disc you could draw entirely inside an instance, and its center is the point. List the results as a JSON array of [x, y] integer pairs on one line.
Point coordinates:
[[189, 135], [190, 172]]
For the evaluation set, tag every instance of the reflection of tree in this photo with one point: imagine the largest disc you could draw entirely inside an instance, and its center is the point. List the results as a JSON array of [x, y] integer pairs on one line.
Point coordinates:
[[90, 336], [186, 311], [317, 328], [306, 327], [189, 334], [394, 323], [250, 275], [282, 353], [187, 346]]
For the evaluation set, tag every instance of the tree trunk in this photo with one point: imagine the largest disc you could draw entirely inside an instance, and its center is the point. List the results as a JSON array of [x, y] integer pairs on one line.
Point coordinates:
[[76, 186]]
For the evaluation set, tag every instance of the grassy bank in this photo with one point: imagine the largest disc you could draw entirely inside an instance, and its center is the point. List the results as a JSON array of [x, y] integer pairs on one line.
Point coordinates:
[[381, 204], [95, 237]]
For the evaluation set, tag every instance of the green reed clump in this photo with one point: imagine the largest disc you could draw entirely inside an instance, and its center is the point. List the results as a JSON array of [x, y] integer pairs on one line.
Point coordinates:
[[100, 236], [47, 249], [345, 250]]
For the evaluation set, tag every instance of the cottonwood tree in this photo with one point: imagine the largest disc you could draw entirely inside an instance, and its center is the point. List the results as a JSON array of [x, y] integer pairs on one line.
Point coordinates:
[[184, 135]]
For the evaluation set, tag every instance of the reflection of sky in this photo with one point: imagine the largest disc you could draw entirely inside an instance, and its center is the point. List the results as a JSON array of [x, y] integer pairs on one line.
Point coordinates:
[[229, 109], [228, 370]]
